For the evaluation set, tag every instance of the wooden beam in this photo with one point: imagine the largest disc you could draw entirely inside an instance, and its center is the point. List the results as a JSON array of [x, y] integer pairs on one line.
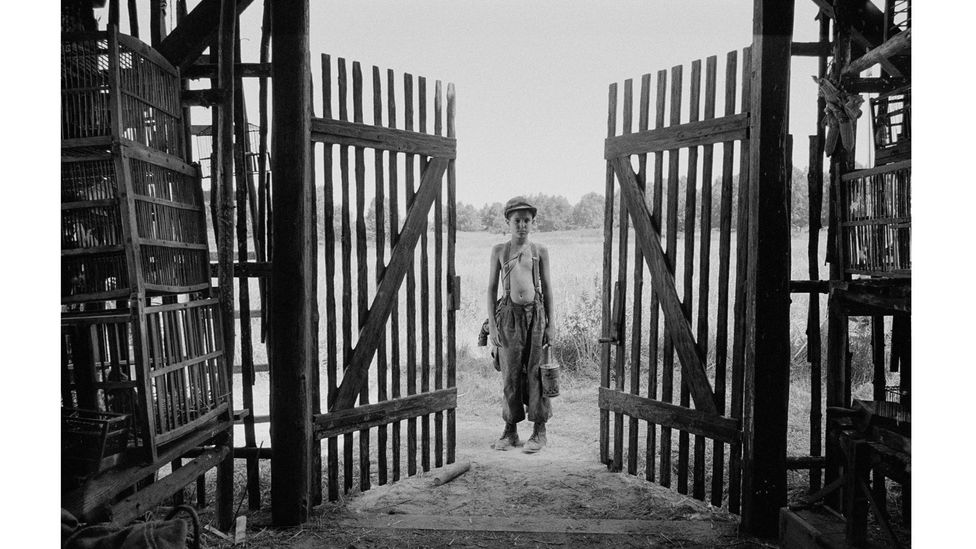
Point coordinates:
[[149, 498], [368, 416], [184, 45], [895, 45], [811, 49], [809, 286], [684, 419], [379, 312], [767, 375], [290, 306], [241, 70], [201, 98], [86, 501], [679, 328], [249, 269], [341, 132], [717, 130], [805, 462], [874, 84]]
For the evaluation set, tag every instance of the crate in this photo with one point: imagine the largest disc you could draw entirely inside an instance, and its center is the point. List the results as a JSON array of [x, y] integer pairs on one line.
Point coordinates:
[[92, 440], [891, 116], [100, 191], [162, 365], [876, 221], [115, 86]]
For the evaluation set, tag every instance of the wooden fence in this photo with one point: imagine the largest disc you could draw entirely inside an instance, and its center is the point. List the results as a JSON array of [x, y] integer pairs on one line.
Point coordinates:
[[372, 324], [712, 360]]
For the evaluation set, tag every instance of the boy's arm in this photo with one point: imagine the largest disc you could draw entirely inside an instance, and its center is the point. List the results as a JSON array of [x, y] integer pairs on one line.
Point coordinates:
[[493, 269], [548, 299]]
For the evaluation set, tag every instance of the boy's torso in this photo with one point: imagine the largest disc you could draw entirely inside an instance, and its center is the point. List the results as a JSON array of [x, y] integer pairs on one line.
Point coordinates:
[[520, 276]]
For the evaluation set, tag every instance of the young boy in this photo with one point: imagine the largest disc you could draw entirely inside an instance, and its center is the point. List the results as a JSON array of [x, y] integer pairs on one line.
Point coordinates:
[[523, 321]]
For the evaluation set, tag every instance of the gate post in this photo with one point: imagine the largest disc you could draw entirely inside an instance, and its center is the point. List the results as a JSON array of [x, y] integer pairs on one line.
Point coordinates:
[[767, 379], [292, 267]]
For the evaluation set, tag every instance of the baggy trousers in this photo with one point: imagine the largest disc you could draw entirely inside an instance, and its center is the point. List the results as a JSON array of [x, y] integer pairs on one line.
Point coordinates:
[[520, 331]]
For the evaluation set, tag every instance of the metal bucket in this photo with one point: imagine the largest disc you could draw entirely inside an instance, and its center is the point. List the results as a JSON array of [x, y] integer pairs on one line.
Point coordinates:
[[549, 371]]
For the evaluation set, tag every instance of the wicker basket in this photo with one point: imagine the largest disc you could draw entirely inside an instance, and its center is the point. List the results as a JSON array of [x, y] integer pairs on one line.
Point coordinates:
[[91, 440], [876, 221]]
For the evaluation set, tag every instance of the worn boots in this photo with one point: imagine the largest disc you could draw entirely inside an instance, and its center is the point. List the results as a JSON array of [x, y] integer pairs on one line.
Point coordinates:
[[538, 439], [509, 438]]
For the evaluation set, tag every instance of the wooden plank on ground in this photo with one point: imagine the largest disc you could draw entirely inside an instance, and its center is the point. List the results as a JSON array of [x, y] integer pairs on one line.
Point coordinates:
[[684, 528], [671, 415]]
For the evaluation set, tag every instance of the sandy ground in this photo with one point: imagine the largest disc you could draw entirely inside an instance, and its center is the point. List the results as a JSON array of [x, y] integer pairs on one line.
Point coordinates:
[[559, 497]]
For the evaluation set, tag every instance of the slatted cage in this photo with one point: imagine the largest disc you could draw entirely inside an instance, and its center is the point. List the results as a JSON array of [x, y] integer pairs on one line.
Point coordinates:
[[388, 218], [687, 212], [891, 116], [180, 374], [876, 221], [112, 82]]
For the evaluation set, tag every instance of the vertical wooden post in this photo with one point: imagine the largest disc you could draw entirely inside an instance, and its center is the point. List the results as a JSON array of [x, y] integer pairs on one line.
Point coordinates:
[[607, 283], [291, 267], [767, 380], [223, 166], [157, 21]]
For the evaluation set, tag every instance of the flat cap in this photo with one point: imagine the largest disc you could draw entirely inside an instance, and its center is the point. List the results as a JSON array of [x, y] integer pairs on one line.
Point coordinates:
[[518, 203]]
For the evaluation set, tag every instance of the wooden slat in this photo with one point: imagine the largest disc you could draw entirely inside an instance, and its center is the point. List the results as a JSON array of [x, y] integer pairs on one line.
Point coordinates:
[[678, 136], [724, 262], [667, 375], [405, 141], [698, 490], [887, 168], [671, 415], [654, 321], [358, 364], [451, 276], [692, 362], [138, 151], [637, 326], [346, 241], [394, 311], [694, 106], [739, 306], [411, 282], [380, 222], [383, 413], [149, 498], [438, 290], [607, 281], [424, 293], [620, 353], [362, 271]]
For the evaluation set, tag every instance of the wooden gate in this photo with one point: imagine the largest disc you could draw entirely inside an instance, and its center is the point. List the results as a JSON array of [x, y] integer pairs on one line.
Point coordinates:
[[710, 404], [369, 344]]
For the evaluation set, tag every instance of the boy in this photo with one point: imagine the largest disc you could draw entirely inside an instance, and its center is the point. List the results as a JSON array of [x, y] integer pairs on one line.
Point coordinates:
[[523, 321]]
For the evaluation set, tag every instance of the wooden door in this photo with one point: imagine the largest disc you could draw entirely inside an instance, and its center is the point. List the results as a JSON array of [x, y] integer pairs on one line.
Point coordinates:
[[687, 248], [390, 323]]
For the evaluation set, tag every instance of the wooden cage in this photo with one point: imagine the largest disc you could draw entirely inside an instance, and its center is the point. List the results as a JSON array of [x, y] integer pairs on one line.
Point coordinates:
[[876, 221], [141, 339], [891, 115]]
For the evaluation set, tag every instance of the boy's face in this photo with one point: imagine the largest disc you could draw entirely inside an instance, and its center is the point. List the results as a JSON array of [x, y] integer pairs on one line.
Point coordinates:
[[520, 222]]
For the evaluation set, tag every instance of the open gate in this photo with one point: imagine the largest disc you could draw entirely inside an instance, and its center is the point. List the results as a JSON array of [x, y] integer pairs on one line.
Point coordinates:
[[374, 329], [712, 371]]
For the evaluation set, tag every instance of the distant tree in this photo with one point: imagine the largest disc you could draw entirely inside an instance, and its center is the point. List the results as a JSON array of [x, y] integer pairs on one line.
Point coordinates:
[[588, 212], [553, 212], [493, 218], [468, 218]]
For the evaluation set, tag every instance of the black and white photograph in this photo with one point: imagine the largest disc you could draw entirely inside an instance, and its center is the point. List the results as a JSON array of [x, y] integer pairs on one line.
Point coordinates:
[[472, 273]]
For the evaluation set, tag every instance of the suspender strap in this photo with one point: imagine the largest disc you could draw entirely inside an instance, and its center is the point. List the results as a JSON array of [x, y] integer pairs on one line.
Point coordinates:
[[507, 270]]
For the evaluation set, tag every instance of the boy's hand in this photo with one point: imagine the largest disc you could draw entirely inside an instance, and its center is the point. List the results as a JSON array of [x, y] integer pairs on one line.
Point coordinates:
[[493, 337], [550, 334]]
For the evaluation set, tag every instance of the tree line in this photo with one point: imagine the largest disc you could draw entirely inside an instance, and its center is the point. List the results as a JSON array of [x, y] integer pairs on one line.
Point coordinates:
[[557, 213]]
